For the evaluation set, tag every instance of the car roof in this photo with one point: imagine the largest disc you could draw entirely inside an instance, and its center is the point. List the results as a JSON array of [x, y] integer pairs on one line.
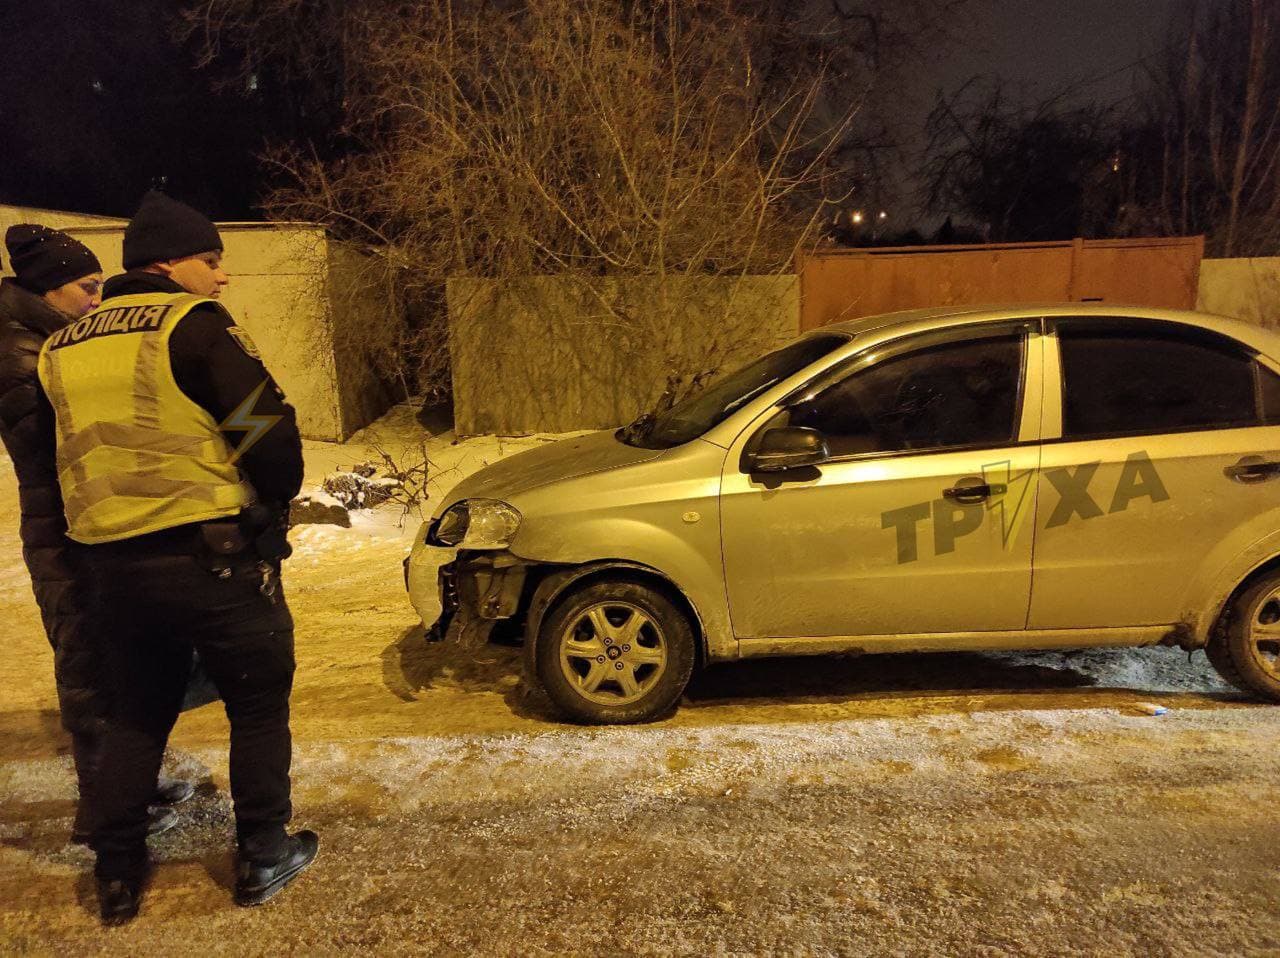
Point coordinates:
[[942, 317]]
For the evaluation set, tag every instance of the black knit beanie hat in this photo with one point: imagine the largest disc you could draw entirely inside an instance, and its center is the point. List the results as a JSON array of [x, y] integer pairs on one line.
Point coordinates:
[[44, 259], [164, 229]]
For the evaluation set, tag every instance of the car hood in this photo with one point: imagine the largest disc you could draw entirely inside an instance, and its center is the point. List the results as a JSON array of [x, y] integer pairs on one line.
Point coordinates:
[[566, 459]]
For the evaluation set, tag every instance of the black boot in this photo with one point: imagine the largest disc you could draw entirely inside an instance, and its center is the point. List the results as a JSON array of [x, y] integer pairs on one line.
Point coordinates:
[[119, 899], [172, 791], [258, 883], [160, 819]]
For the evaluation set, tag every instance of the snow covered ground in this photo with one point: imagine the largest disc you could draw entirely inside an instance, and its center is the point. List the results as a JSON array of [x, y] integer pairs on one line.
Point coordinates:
[[962, 804]]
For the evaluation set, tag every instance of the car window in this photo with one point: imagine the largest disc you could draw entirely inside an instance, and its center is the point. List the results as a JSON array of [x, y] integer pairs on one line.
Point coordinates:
[[1132, 381], [690, 419], [1269, 395], [950, 395]]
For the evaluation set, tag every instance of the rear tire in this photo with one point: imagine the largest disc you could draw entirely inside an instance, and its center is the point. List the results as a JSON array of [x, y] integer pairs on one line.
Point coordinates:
[[614, 653], [1245, 648]]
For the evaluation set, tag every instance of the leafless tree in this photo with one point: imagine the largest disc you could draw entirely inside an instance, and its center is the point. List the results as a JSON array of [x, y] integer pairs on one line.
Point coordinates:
[[1205, 154], [582, 139], [1021, 172], [589, 139]]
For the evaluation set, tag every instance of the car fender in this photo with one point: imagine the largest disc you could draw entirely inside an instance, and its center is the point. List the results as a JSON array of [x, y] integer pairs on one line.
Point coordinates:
[[1226, 566], [707, 603]]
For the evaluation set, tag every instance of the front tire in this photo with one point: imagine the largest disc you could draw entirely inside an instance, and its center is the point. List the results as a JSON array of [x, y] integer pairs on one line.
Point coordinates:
[[614, 653], [1245, 649]]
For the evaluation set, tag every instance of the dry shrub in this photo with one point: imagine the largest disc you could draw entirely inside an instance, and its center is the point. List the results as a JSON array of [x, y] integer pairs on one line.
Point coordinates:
[[582, 138]]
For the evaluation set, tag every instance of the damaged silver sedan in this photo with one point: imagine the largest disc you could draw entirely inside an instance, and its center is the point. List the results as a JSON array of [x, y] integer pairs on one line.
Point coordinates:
[[1025, 478]]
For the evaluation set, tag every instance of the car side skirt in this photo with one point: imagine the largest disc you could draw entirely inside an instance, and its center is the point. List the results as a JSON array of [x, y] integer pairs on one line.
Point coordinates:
[[1041, 640]]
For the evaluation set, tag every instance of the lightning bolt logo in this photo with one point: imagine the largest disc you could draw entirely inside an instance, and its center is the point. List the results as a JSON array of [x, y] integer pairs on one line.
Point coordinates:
[[243, 419], [1012, 501]]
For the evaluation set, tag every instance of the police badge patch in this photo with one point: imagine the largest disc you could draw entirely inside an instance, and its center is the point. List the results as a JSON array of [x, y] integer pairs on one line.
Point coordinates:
[[244, 341]]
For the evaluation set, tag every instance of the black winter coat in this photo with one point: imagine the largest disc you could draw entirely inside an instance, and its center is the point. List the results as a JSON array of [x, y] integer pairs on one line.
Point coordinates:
[[27, 427]]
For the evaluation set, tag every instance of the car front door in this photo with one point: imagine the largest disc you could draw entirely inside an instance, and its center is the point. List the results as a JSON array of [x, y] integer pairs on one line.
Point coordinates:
[[1154, 456], [916, 522]]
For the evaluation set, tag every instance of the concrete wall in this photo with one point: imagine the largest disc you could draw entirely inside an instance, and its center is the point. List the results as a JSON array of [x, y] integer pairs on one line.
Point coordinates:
[[57, 219], [280, 293], [277, 294], [552, 354], [1247, 289]]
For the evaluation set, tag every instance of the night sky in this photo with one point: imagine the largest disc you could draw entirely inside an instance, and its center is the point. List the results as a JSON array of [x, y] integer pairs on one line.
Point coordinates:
[[1043, 46], [65, 66]]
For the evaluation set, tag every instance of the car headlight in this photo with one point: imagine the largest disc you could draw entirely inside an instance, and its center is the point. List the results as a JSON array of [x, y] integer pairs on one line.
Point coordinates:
[[477, 524]]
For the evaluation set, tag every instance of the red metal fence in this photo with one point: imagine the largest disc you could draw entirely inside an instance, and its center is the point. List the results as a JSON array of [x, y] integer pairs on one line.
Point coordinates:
[[848, 283]]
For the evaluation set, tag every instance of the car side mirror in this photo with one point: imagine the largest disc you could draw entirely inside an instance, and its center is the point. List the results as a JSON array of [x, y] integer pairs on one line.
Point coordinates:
[[789, 447]]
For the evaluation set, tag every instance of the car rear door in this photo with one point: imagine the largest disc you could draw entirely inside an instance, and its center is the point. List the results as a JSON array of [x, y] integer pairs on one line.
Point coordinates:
[[1159, 448]]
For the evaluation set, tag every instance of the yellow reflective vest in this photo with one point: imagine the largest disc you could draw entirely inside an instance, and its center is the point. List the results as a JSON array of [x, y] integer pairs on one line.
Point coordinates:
[[135, 454]]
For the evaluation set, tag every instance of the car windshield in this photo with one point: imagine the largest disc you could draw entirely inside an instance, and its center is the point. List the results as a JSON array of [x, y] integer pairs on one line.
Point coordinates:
[[688, 420]]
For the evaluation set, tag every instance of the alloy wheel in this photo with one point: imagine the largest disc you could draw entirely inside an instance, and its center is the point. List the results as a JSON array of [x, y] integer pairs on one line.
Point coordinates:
[[613, 653], [1264, 632]]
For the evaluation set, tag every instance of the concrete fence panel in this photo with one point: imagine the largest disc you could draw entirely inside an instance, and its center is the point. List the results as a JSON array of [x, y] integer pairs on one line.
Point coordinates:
[[1247, 289], [283, 291], [553, 354]]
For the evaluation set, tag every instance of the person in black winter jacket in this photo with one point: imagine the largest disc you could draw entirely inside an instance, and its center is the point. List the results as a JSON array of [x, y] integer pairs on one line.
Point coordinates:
[[58, 280]]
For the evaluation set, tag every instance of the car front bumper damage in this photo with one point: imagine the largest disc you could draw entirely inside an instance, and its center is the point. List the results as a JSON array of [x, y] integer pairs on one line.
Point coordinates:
[[477, 589]]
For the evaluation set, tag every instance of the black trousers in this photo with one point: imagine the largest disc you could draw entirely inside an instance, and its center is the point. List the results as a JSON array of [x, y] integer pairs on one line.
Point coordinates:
[[86, 744], [85, 751], [77, 662], [155, 606]]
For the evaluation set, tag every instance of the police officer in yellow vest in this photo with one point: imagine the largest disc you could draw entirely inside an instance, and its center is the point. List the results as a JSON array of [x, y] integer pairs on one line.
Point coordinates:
[[177, 458]]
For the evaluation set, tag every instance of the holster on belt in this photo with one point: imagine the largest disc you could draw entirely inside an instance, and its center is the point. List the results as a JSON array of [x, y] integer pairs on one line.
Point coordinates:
[[223, 540], [259, 533]]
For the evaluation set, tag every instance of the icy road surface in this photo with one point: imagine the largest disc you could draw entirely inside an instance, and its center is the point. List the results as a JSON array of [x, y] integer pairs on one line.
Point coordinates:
[[907, 805]]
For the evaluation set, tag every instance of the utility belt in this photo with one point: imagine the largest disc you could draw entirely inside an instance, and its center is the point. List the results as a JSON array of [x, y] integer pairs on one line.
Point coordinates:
[[249, 546], [257, 531], [257, 534]]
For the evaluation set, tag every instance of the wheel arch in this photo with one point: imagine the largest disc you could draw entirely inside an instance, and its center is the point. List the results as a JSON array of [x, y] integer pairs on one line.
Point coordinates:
[[1219, 618], [561, 582]]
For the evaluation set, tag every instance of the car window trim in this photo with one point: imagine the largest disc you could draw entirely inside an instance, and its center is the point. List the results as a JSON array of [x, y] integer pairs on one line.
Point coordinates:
[[1111, 322], [891, 348], [930, 451]]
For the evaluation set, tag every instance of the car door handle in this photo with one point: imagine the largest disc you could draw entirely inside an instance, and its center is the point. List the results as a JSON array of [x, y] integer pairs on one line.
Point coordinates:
[[973, 492], [1253, 469]]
